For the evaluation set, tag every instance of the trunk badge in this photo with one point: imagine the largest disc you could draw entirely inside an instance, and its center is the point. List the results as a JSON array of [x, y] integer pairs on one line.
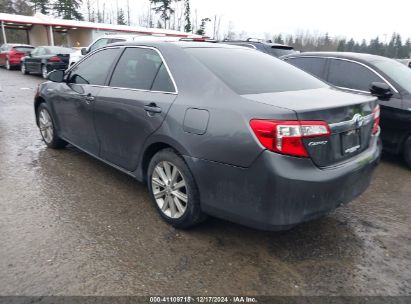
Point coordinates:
[[358, 120]]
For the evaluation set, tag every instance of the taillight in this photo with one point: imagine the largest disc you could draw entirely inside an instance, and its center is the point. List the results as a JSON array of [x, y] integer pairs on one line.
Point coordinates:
[[54, 59], [286, 137], [376, 125]]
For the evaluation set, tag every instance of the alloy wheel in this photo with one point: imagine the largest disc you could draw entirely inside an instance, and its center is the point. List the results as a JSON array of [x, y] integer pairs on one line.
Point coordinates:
[[23, 68], [169, 189], [8, 65], [46, 126]]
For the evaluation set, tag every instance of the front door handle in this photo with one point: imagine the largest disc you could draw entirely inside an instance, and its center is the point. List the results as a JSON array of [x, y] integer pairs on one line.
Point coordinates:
[[152, 108]]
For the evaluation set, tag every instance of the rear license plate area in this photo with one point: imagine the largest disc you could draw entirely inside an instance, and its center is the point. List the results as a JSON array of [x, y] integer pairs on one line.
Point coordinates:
[[351, 141]]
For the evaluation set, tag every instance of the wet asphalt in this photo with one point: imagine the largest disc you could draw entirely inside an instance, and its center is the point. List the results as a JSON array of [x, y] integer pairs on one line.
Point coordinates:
[[70, 225]]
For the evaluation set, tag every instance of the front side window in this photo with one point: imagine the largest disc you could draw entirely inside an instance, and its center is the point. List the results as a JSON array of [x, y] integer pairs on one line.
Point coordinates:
[[351, 75], [142, 69], [314, 66], [249, 72], [99, 44], [94, 69]]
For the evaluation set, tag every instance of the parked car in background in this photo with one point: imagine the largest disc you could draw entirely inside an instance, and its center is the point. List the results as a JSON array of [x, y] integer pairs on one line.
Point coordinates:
[[44, 59], [215, 129], [109, 39], [11, 54], [356, 72], [406, 62], [273, 49]]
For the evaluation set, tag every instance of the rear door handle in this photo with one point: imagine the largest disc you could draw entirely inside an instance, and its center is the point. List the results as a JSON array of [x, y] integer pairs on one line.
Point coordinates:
[[152, 108]]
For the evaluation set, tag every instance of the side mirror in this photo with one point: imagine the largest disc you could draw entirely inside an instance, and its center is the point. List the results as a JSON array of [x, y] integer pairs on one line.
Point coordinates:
[[84, 51], [381, 90], [56, 76], [29, 54]]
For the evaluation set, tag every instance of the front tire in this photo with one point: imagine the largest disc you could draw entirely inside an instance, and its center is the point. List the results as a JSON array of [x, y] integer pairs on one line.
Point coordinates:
[[23, 69], [407, 152], [47, 128], [173, 190]]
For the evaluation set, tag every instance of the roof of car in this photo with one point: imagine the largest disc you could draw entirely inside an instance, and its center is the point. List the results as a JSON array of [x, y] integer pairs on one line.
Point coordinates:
[[257, 41], [182, 44], [345, 55]]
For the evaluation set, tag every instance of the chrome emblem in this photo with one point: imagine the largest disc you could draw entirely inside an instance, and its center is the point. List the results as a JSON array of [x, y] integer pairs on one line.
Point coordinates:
[[358, 120]]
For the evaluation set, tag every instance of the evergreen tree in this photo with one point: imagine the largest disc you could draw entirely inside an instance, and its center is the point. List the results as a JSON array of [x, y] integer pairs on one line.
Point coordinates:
[[21, 7], [201, 30], [6, 6], [279, 39], [187, 16], [121, 19], [163, 7], [350, 45], [41, 6], [68, 9]]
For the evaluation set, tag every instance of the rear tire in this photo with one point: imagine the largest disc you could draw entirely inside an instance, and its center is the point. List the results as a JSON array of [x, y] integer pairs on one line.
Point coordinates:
[[23, 69], [47, 128], [44, 71], [407, 152], [173, 190]]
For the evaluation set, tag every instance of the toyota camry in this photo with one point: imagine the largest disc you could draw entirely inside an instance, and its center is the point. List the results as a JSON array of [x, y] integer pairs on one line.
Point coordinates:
[[215, 129]]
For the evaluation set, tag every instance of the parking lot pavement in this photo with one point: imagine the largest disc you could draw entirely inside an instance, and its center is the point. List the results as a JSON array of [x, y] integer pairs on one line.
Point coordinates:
[[70, 225]]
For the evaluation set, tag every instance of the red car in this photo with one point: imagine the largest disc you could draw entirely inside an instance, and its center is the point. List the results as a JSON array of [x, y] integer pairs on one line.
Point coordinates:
[[11, 54]]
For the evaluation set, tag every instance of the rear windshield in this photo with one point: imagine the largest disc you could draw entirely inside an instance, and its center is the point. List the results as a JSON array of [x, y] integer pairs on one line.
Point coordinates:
[[23, 49], [59, 50], [252, 72]]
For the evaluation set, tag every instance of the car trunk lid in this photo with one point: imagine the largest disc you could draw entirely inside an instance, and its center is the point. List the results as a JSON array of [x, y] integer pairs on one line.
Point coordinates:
[[350, 117]]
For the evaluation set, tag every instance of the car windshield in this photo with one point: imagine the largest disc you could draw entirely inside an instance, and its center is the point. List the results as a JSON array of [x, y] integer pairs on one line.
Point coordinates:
[[252, 72], [23, 48], [398, 72]]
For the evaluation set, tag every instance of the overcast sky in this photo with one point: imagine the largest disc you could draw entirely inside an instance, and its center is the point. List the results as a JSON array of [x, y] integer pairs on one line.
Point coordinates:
[[350, 18]]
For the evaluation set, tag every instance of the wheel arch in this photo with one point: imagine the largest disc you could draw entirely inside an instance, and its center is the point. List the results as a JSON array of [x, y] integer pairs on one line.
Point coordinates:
[[151, 148], [37, 102]]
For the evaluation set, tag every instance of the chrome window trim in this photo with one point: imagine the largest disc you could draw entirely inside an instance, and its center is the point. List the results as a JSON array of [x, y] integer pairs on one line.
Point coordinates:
[[353, 61], [348, 125], [131, 89]]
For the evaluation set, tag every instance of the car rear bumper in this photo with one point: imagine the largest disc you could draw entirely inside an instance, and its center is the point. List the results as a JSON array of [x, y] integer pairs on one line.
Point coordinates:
[[278, 191], [57, 66], [15, 61]]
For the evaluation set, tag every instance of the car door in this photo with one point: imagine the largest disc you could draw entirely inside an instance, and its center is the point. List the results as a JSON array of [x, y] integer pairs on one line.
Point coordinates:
[[357, 77], [139, 95], [33, 62], [75, 100]]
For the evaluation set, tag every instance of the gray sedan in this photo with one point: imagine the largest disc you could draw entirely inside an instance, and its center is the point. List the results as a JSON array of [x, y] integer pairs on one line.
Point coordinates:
[[215, 130]]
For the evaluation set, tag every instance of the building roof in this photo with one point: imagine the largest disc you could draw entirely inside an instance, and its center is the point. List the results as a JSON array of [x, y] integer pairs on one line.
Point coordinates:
[[20, 21]]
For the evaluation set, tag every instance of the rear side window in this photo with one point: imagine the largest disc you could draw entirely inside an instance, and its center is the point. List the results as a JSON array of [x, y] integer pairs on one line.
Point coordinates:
[[249, 72], [94, 69], [142, 69], [314, 66], [351, 75], [24, 49]]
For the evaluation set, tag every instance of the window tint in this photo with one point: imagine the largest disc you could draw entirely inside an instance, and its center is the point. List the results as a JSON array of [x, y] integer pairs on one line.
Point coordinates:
[[249, 72], [98, 44], [94, 69], [138, 68], [311, 65], [351, 75], [116, 40], [163, 81], [279, 51]]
